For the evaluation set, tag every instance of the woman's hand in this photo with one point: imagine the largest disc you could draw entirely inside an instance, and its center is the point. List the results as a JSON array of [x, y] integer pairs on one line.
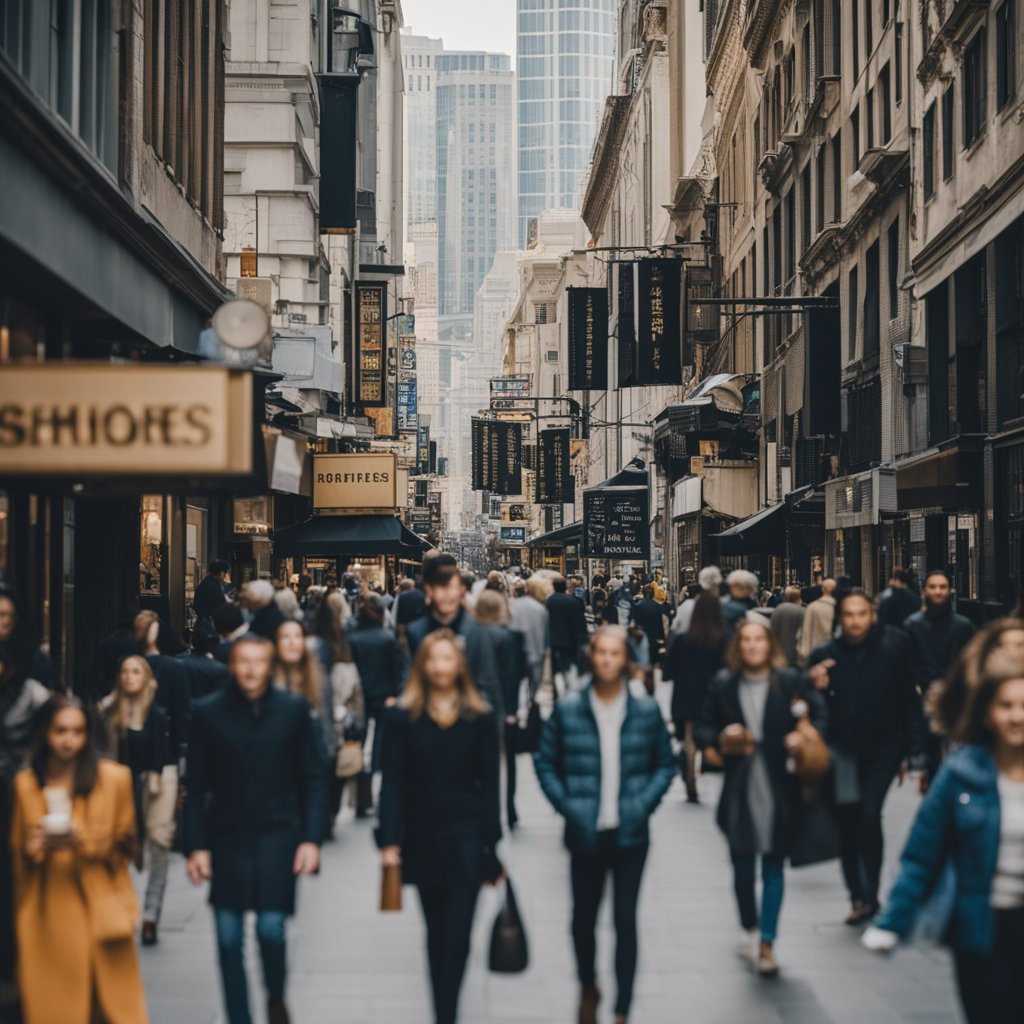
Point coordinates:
[[391, 857], [41, 842], [307, 859], [818, 675], [736, 740]]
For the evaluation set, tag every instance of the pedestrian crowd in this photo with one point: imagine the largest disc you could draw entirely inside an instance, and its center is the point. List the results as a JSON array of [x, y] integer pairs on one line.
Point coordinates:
[[294, 708]]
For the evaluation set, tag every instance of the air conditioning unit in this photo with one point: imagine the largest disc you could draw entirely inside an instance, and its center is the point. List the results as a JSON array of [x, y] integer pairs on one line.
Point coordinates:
[[912, 363]]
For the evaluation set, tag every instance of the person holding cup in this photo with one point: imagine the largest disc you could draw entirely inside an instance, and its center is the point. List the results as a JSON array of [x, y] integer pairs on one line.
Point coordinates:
[[72, 837], [750, 709]]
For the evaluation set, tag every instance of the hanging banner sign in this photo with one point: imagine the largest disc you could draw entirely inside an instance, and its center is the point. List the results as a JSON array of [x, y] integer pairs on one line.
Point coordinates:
[[477, 469], [657, 297], [514, 536], [497, 456], [408, 412], [616, 524], [588, 339], [371, 327], [423, 451], [627, 325], [554, 484]]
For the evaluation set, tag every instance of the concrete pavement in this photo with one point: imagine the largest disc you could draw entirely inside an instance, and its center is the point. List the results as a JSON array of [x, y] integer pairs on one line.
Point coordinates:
[[349, 963]]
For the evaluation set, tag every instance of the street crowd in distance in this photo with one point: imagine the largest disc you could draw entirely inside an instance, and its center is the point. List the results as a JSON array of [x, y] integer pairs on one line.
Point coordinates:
[[293, 709]]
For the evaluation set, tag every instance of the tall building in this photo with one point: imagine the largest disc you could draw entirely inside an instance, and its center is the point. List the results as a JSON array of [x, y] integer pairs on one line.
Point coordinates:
[[566, 60], [419, 60], [475, 188]]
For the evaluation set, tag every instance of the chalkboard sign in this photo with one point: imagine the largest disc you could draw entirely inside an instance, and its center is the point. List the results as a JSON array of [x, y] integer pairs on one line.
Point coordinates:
[[616, 524]]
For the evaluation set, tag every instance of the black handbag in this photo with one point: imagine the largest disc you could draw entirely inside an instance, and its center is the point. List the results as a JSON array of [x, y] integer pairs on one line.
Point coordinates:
[[816, 834], [527, 738], [509, 952]]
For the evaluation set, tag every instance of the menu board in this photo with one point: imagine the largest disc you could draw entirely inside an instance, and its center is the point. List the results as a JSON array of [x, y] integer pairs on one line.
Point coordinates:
[[554, 484], [497, 456], [616, 524], [371, 325], [659, 325], [588, 339], [514, 535]]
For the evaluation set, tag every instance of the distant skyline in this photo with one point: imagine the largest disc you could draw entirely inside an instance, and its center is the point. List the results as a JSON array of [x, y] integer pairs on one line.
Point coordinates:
[[465, 24]]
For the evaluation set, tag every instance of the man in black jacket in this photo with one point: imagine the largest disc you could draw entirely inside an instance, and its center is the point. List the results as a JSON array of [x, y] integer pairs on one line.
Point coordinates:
[[204, 672], [212, 590], [649, 615], [899, 600], [567, 625], [255, 816], [937, 636], [875, 721]]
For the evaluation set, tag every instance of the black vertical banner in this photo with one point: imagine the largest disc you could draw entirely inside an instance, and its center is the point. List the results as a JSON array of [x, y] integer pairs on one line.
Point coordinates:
[[423, 451], [659, 327], [507, 446], [478, 455], [627, 326], [588, 339], [554, 484]]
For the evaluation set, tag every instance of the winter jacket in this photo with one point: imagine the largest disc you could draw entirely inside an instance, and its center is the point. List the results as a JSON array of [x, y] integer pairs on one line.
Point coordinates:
[[209, 596], [173, 696], [512, 670], [690, 669], [568, 764], [375, 652], [205, 675], [734, 610], [650, 617], [871, 694], [936, 638], [567, 623], [722, 707], [257, 787], [958, 821], [897, 604], [479, 646]]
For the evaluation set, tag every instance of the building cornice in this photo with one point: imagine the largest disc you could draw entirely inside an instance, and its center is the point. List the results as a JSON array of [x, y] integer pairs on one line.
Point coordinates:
[[604, 162]]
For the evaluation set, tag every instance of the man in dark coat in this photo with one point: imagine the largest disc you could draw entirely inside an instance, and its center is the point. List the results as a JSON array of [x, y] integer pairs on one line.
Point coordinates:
[[899, 600], [212, 590], [255, 816], [446, 591], [567, 625], [204, 672], [875, 720], [649, 615], [258, 597], [230, 625], [937, 636], [742, 586]]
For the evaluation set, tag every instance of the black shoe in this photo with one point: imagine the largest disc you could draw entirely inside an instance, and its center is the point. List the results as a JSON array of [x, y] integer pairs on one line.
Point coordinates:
[[590, 997], [149, 933], [277, 1012]]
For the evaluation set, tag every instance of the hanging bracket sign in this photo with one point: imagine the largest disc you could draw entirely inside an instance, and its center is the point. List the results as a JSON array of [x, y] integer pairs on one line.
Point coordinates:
[[616, 523]]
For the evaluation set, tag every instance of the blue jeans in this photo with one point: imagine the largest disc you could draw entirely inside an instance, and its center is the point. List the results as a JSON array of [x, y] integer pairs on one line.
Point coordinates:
[[744, 867], [230, 926]]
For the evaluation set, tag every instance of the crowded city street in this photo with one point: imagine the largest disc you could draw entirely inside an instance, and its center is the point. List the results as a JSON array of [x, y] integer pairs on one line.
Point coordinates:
[[511, 511]]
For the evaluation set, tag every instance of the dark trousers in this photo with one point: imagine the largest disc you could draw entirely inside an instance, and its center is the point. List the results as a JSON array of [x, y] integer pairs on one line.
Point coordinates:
[[511, 737], [861, 846], [448, 911], [230, 926], [992, 986], [589, 872], [744, 872]]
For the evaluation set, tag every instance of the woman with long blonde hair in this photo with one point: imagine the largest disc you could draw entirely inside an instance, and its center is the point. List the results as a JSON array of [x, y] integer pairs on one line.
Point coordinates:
[[439, 815], [138, 736], [298, 669]]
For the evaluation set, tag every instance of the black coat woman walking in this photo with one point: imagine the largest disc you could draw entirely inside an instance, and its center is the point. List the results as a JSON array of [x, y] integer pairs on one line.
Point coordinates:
[[439, 808], [747, 715]]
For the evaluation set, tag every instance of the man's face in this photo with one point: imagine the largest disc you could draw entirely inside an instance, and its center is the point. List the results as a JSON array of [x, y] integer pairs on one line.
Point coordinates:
[[446, 599], [856, 618], [937, 591], [250, 666]]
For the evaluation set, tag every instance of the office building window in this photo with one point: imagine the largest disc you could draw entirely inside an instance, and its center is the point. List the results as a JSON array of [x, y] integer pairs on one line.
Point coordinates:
[[869, 118], [894, 268], [851, 323], [837, 178], [898, 49], [855, 136], [1006, 53], [885, 87], [947, 133], [928, 155], [855, 36], [872, 312], [975, 88]]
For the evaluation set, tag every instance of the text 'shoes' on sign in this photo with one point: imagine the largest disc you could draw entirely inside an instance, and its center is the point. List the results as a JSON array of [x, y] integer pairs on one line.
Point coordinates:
[[85, 419]]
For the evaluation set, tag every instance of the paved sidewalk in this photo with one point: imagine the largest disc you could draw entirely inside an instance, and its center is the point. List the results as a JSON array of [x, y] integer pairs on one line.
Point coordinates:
[[351, 964]]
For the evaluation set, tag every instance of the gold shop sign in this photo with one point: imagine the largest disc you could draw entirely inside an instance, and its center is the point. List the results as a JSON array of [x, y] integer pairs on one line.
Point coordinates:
[[355, 483], [89, 419]]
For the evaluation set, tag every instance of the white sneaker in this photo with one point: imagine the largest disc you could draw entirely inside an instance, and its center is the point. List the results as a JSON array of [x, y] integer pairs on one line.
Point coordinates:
[[749, 947]]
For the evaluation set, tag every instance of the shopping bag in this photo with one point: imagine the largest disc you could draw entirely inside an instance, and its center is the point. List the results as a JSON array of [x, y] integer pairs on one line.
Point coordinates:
[[509, 953]]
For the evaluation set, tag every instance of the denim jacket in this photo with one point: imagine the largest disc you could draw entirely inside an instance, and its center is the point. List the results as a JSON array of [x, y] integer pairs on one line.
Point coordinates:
[[568, 764], [958, 822]]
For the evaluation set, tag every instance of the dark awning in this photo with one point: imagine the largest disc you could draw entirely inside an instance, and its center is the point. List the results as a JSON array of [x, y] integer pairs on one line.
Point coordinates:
[[948, 478], [571, 534], [349, 536], [763, 533]]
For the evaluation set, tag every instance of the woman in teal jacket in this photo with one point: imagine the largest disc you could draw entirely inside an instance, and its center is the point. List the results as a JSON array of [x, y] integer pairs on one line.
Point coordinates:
[[605, 761], [963, 865]]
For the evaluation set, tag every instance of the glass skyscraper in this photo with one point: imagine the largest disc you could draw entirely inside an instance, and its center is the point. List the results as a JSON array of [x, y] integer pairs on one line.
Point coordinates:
[[566, 56]]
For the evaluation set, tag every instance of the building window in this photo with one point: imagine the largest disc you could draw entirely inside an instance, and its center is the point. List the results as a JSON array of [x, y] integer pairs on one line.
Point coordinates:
[[855, 136], [151, 539], [894, 268], [869, 118], [975, 86], [947, 133], [872, 312], [928, 146], [886, 90], [851, 308], [869, 31], [855, 29], [837, 178], [1006, 54], [819, 188], [898, 48]]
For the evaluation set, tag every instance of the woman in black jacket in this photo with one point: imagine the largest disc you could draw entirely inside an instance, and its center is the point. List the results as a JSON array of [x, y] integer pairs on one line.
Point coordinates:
[[690, 664], [746, 717], [439, 812], [137, 736]]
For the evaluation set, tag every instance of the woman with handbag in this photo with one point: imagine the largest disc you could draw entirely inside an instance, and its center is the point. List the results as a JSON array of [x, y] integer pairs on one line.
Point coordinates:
[[964, 859], [747, 716], [439, 806], [350, 728], [137, 736], [72, 837]]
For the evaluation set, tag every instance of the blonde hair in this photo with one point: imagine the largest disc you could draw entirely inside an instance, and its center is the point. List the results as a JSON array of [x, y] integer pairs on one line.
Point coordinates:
[[307, 677], [116, 712], [417, 687], [492, 608]]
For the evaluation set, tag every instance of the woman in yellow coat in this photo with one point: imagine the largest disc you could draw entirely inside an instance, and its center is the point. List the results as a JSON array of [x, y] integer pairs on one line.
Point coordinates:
[[72, 835]]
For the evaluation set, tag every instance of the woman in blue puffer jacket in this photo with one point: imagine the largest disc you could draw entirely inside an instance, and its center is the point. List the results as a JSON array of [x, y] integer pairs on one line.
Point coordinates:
[[963, 865]]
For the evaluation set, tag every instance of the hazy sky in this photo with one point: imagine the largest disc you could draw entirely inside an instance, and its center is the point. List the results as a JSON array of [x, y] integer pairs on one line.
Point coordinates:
[[465, 24]]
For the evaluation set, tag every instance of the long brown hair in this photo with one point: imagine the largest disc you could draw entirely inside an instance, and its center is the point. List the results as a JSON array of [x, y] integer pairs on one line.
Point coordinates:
[[116, 712], [87, 763], [417, 687], [972, 726], [733, 661], [305, 679]]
